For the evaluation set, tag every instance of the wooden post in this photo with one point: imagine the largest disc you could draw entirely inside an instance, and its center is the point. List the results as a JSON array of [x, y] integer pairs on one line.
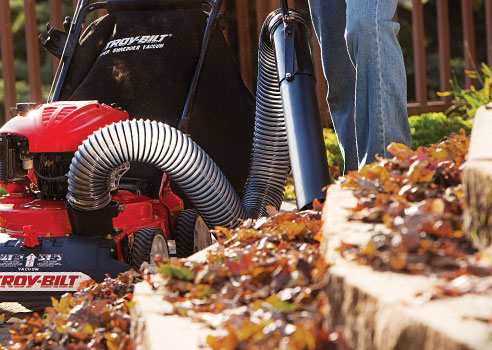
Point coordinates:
[[263, 8], [444, 47], [32, 46], [488, 28], [7, 48], [419, 52], [261, 13], [244, 41], [468, 38]]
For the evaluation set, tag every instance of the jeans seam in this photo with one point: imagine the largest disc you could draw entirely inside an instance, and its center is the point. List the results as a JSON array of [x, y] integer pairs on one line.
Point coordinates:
[[354, 115], [380, 73]]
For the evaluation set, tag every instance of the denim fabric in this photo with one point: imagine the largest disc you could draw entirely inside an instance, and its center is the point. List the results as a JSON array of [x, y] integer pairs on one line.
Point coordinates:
[[364, 68]]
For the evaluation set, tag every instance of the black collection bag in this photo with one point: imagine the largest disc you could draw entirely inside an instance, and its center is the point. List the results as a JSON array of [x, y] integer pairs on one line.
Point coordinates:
[[144, 62]]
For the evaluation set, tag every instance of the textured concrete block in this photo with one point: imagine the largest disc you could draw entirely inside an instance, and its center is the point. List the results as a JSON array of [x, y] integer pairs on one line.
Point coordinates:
[[379, 310], [477, 180], [153, 328]]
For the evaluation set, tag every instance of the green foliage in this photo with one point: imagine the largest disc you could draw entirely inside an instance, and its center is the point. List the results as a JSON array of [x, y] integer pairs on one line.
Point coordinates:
[[468, 100], [430, 128], [289, 193], [333, 153], [177, 272], [280, 305]]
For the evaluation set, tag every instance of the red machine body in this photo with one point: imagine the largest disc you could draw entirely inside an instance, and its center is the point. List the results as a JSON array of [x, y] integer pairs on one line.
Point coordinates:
[[26, 215], [62, 127]]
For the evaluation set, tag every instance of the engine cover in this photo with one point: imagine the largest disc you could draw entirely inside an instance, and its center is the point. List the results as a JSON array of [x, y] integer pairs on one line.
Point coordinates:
[[62, 126]]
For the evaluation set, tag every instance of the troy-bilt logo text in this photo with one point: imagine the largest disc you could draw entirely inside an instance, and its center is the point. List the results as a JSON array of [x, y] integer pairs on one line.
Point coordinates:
[[135, 43], [41, 281]]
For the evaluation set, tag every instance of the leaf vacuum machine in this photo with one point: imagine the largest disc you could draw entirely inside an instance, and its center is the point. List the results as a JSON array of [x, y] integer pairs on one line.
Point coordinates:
[[149, 139]]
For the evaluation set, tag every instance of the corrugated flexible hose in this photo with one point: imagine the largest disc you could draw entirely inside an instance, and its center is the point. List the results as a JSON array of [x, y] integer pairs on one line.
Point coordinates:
[[101, 156], [102, 159], [270, 152]]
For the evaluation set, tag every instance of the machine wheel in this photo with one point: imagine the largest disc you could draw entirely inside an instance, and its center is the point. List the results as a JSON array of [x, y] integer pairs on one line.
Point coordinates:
[[147, 243], [191, 233]]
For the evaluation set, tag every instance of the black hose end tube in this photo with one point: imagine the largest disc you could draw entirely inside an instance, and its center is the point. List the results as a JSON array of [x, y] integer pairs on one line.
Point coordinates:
[[300, 104]]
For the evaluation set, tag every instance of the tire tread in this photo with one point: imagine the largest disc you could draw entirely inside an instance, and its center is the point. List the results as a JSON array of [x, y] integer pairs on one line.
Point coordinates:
[[142, 245], [184, 233]]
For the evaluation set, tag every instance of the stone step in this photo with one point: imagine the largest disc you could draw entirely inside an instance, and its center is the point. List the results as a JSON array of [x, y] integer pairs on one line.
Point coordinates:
[[379, 310], [477, 179]]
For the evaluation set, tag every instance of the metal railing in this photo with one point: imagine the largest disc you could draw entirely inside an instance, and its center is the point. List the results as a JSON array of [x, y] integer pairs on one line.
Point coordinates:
[[244, 40]]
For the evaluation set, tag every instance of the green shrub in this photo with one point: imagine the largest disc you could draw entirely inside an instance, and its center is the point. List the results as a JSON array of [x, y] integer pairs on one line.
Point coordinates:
[[333, 153], [468, 100], [430, 128]]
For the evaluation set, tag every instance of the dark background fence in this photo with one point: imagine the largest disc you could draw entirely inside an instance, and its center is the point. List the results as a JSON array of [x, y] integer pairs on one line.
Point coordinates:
[[440, 39]]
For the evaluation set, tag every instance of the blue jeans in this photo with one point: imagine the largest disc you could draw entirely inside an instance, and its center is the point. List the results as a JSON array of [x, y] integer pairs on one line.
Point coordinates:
[[364, 68]]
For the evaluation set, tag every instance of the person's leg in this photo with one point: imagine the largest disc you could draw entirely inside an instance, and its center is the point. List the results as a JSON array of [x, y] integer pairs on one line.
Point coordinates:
[[328, 18], [381, 88]]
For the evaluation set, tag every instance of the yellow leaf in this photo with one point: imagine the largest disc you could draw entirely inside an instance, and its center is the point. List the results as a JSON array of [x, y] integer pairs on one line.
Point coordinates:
[[257, 304], [88, 329], [369, 249], [418, 172], [228, 342], [302, 339], [112, 341], [221, 231], [212, 342], [400, 151], [441, 153]]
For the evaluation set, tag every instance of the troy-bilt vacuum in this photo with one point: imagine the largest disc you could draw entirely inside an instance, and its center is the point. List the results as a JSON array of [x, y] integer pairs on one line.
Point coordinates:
[[91, 190]]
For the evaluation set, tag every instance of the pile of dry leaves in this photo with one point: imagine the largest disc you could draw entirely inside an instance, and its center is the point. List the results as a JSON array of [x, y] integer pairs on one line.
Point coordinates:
[[263, 286], [96, 317], [418, 196]]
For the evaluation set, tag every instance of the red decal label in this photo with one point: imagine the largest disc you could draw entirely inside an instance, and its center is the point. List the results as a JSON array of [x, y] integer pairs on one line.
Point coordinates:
[[7, 281], [47, 281], [20, 281], [31, 280], [62, 281]]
